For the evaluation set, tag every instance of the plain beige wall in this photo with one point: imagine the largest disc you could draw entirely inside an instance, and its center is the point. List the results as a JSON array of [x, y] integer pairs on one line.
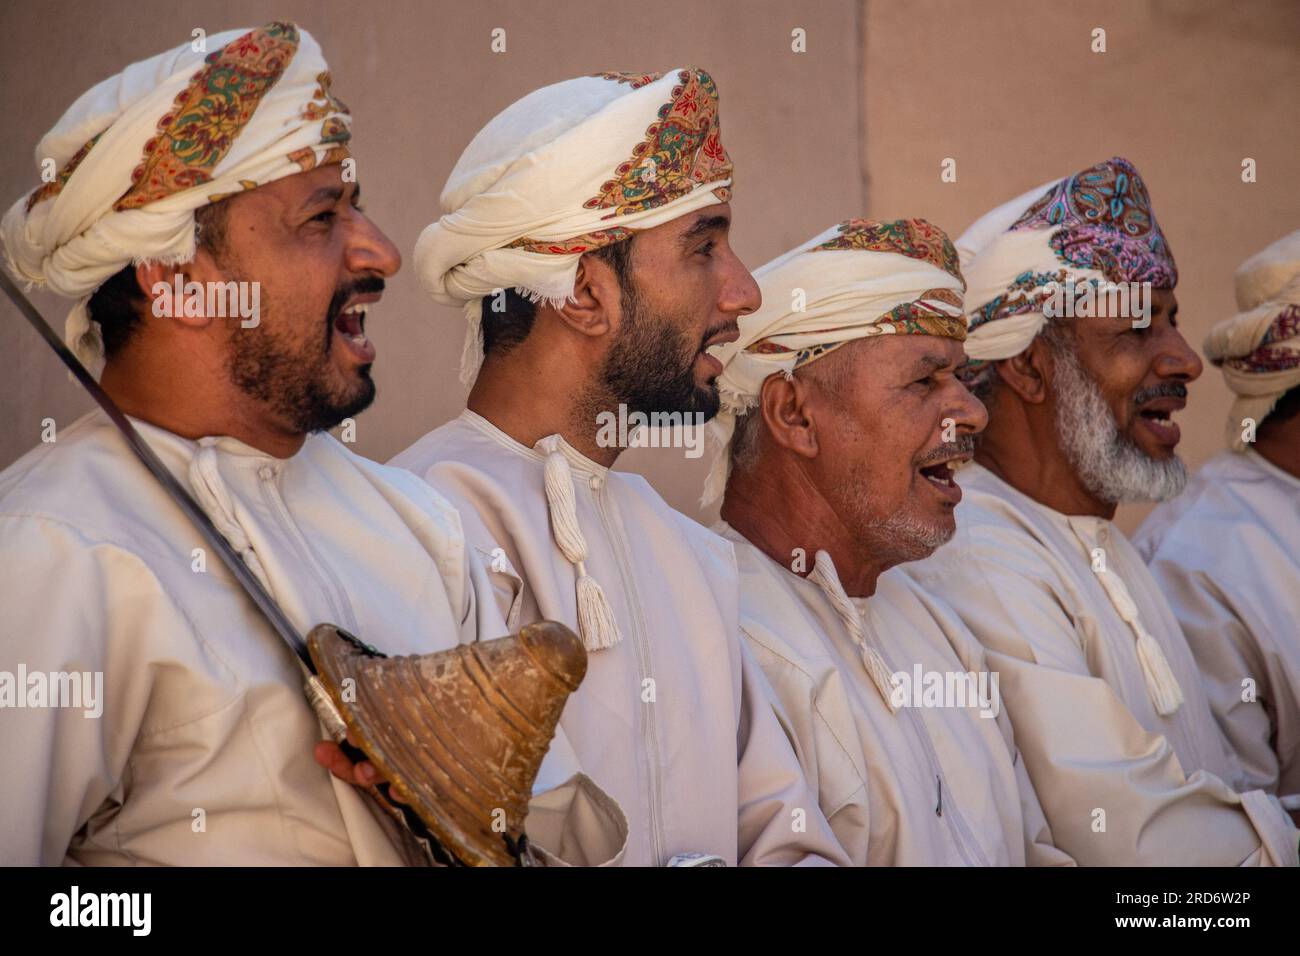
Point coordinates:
[[1008, 88]]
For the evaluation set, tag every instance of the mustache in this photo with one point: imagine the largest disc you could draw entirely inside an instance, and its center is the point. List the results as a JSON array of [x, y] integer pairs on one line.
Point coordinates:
[[362, 286], [964, 446], [1163, 390], [716, 330]]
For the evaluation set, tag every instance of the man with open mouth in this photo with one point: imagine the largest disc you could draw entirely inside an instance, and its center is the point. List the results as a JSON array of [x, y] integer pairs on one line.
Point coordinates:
[[1237, 595], [223, 168], [842, 423], [1109, 708], [585, 234]]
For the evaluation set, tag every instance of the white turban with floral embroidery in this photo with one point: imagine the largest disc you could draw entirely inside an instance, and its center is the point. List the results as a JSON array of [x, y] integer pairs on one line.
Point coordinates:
[[570, 168], [129, 162], [1095, 227], [860, 278], [1258, 349]]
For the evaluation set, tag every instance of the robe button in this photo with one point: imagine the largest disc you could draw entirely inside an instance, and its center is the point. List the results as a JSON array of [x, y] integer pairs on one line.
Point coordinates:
[[595, 483], [266, 472]]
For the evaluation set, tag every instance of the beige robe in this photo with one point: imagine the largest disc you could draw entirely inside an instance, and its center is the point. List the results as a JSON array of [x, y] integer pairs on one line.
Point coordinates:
[[1120, 784], [921, 786], [676, 720], [203, 752], [1227, 554]]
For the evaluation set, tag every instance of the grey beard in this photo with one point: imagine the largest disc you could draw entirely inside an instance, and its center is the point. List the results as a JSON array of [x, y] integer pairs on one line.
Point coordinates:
[[1110, 465], [910, 539]]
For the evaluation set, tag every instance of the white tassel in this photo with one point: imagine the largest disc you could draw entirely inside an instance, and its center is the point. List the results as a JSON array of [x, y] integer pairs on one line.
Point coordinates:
[[596, 623], [1162, 686], [212, 494], [824, 575]]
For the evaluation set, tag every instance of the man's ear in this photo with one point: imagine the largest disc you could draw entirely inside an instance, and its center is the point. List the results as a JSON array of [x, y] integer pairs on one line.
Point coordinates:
[[593, 309], [1028, 373], [158, 285], [783, 403]]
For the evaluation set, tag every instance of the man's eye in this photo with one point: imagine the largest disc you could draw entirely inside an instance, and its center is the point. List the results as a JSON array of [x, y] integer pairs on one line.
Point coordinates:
[[706, 249], [326, 216]]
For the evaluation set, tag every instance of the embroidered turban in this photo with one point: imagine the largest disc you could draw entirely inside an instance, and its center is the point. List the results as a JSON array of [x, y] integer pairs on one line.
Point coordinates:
[[1258, 349], [133, 157], [857, 279], [567, 169], [1095, 227]]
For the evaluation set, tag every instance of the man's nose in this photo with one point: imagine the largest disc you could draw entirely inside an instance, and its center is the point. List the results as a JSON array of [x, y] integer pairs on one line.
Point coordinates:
[[968, 411], [1177, 359], [370, 250], [740, 292]]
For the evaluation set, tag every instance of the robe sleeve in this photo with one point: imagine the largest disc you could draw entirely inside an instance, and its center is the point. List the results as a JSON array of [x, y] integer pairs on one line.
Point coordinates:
[[71, 605], [1113, 792], [781, 822], [1227, 654]]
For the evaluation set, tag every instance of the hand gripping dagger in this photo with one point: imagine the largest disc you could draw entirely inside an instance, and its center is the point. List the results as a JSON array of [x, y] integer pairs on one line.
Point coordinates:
[[454, 783]]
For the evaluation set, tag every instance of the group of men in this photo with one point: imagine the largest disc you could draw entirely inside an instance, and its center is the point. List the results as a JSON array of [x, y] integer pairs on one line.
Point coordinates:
[[779, 690]]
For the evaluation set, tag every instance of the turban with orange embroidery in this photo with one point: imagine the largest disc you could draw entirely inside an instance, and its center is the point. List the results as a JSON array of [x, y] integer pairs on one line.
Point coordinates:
[[567, 169], [860, 278], [129, 162]]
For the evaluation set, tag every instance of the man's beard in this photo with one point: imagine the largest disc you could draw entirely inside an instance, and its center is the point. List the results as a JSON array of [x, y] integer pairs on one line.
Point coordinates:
[[1112, 468], [903, 535], [291, 377], [651, 364]]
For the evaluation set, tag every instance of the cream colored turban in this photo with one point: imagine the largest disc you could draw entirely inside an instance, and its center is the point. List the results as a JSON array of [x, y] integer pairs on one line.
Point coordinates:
[[1095, 226], [857, 279], [134, 156], [567, 169], [1259, 347]]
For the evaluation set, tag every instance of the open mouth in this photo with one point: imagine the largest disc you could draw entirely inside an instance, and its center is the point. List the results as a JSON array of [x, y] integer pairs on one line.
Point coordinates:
[[1158, 419], [350, 324], [941, 475]]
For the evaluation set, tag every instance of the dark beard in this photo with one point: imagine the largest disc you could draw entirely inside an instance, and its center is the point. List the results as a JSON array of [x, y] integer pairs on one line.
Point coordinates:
[[290, 383], [651, 365]]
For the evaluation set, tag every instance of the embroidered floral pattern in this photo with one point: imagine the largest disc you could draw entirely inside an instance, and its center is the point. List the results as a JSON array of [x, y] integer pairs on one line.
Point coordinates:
[[323, 102], [914, 238], [681, 150], [55, 186], [1107, 224], [1025, 294], [584, 243], [637, 80], [1269, 355], [209, 114]]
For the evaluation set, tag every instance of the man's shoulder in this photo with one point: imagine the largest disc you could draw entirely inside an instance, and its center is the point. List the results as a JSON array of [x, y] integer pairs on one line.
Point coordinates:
[[1207, 520], [83, 474], [83, 492], [450, 440]]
